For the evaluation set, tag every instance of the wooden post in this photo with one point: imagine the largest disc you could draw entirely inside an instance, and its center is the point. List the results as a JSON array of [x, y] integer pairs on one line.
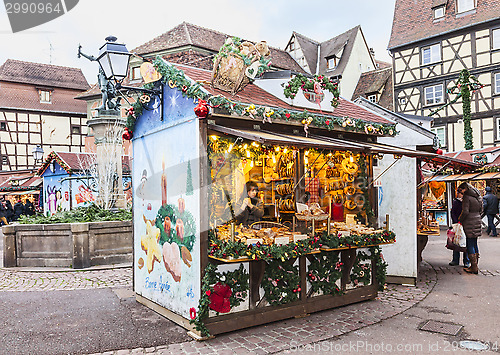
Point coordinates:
[[387, 222], [328, 225]]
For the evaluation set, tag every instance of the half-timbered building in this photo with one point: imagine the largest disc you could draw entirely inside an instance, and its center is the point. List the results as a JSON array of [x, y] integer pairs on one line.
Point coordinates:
[[431, 42], [37, 107]]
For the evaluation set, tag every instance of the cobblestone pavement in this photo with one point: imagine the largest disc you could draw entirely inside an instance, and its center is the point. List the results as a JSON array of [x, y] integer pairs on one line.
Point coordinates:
[[15, 280], [321, 326]]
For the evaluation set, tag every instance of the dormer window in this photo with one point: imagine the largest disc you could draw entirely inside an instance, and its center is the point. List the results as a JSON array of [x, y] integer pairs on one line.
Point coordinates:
[[439, 12], [332, 63], [135, 73], [45, 97], [372, 98], [465, 5]]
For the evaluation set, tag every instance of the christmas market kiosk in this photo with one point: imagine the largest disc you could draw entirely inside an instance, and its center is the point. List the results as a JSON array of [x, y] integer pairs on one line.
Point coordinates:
[[212, 148]]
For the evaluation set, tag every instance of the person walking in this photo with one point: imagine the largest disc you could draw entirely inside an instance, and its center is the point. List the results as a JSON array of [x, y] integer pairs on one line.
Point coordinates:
[[490, 209], [10, 211], [18, 210], [3, 213], [456, 210], [471, 222]]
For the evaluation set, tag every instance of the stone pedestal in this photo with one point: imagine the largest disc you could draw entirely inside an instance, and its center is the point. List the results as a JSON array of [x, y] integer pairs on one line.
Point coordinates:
[[108, 128]]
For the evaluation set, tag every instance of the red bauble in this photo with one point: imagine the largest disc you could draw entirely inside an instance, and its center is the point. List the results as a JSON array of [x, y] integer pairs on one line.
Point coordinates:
[[219, 299], [127, 135], [439, 151], [202, 110]]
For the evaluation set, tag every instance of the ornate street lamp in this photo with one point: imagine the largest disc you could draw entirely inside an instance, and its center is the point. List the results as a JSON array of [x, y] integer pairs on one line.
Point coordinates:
[[113, 59], [37, 153]]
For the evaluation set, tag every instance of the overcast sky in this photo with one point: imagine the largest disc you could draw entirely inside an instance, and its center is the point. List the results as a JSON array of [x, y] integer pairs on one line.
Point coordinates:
[[136, 22]]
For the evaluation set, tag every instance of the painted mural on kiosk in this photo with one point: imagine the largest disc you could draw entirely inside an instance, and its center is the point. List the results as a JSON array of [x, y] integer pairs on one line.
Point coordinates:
[[166, 205]]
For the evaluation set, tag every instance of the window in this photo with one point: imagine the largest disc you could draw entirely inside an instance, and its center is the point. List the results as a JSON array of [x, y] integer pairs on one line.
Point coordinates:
[[465, 5], [5, 160], [440, 132], [433, 94], [439, 12], [495, 42], [497, 83], [431, 54], [135, 73], [498, 128], [75, 130], [45, 96], [372, 98], [332, 63], [3, 126]]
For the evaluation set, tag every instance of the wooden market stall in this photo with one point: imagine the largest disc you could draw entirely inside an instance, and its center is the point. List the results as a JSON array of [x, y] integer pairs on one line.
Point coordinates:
[[315, 247]]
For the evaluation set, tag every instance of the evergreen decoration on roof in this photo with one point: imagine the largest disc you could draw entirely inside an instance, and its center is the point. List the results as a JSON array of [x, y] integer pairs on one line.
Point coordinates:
[[175, 78], [57, 158], [312, 85]]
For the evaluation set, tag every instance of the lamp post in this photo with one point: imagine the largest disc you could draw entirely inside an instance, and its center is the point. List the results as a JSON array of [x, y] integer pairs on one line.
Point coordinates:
[[37, 153], [108, 126]]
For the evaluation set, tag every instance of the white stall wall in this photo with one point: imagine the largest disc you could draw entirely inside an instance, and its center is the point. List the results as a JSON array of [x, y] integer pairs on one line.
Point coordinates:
[[398, 198]]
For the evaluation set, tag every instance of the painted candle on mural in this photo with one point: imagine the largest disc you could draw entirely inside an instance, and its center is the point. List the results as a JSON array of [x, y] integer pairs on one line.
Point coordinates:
[[163, 185]]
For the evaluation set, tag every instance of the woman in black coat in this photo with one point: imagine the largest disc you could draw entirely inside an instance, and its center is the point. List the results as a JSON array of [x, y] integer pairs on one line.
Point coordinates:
[[18, 210], [470, 218], [251, 209]]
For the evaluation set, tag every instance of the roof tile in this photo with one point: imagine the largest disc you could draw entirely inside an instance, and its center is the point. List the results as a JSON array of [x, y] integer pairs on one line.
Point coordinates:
[[43, 75]]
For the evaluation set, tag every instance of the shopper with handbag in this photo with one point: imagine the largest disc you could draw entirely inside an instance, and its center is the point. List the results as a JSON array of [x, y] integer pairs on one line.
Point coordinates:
[[470, 218], [456, 210]]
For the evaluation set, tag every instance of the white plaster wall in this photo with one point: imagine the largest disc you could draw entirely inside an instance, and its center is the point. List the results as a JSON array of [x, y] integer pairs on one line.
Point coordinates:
[[352, 71]]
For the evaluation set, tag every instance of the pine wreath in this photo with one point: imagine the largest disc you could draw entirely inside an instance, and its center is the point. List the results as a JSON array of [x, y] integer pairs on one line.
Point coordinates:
[[361, 270], [325, 269], [166, 220], [236, 281], [299, 81], [281, 283]]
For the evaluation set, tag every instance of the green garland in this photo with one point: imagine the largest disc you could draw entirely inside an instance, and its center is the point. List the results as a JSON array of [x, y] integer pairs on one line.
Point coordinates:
[[381, 266], [360, 272], [324, 270], [299, 81], [227, 249], [466, 84], [176, 78], [281, 283], [367, 207], [54, 156], [333, 241], [222, 145], [238, 282]]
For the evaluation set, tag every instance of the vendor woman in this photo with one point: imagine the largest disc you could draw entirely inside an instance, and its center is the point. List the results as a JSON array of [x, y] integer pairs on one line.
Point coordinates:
[[251, 209]]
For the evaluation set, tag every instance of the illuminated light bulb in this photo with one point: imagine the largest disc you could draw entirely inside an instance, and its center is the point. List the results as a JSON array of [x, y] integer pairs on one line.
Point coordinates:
[[329, 154], [248, 154], [230, 148], [306, 161], [351, 159], [245, 146], [255, 144], [285, 150], [214, 138], [307, 152], [251, 163], [274, 159], [277, 149]]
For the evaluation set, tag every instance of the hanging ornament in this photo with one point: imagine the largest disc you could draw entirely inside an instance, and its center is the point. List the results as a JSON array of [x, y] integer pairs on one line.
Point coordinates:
[[219, 299], [306, 122], [267, 115], [145, 99], [131, 111], [202, 109], [127, 135]]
